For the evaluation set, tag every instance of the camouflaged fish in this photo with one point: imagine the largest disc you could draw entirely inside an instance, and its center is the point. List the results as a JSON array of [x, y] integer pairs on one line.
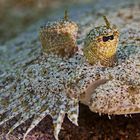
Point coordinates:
[[104, 77]]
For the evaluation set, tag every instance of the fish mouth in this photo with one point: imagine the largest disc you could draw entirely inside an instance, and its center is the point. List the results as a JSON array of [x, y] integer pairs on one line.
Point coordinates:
[[115, 102], [112, 97]]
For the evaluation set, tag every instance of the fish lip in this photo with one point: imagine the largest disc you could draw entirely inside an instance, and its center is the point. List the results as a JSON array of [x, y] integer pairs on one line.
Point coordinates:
[[90, 90], [118, 110]]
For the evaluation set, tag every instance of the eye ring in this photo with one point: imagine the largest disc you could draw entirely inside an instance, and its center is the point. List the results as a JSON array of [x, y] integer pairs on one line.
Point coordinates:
[[99, 39]]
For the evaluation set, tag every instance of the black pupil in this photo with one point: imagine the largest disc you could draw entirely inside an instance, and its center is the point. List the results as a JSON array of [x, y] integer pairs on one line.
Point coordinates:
[[106, 38], [111, 37]]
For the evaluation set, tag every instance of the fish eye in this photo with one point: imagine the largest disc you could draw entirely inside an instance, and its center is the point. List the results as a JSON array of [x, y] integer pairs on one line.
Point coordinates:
[[111, 37], [105, 38]]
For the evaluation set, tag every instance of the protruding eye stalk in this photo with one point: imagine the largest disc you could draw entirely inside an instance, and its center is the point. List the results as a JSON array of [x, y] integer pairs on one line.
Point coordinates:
[[101, 45], [59, 38]]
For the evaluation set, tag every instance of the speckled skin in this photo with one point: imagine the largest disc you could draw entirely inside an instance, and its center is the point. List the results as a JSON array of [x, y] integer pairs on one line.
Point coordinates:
[[54, 85]]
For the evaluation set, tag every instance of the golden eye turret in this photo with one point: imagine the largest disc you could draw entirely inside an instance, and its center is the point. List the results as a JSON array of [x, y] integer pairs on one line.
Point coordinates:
[[101, 44], [59, 37]]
